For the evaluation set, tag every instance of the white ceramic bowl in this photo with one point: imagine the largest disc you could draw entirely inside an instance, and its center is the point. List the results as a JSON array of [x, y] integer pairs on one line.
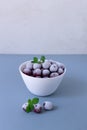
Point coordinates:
[[41, 86]]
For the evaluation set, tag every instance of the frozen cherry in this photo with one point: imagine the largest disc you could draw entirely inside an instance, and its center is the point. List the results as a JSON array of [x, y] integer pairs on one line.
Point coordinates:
[[47, 105], [37, 72], [24, 106], [45, 72], [29, 65], [36, 66], [60, 70], [53, 67], [46, 64], [37, 108], [60, 65], [54, 74], [27, 71]]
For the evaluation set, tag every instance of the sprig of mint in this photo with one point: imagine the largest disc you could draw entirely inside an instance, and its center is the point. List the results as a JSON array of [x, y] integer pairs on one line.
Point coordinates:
[[42, 59], [36, 60], [31, 103]]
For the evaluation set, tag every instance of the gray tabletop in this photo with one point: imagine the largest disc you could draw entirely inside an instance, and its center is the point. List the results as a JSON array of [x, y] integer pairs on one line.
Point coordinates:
[[70, 99]]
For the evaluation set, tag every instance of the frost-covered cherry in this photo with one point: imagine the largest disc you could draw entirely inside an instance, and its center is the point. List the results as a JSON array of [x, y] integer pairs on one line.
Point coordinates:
[[47, 105], [37, 72], [24, 106], [46, 64], [60, 65], [45, 72], [60, 70], [37, 108], [53, 67], [36, 66], [54, 74], [27, 71], [29, 65]]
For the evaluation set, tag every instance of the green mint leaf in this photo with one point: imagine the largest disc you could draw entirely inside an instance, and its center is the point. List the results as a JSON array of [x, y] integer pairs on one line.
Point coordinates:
[[35, 60], [28, 109], [31, 103], [42, 59], [29, 100], [35, 100], [32, 107]]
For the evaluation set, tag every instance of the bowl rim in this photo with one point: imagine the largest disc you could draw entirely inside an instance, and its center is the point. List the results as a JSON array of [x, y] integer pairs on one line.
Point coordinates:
[[24, 63]]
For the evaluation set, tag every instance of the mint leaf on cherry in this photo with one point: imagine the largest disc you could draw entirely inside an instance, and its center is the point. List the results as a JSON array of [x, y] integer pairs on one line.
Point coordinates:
[[42, 59], [28, 109], [36, 60], [35, 100], [31, 103]]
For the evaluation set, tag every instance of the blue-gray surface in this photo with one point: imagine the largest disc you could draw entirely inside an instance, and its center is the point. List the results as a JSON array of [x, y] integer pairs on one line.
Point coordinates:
[[70, 99]]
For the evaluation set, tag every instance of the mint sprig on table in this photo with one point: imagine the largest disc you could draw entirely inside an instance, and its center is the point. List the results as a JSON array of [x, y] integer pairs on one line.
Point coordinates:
[[31, 103], [36, 60]]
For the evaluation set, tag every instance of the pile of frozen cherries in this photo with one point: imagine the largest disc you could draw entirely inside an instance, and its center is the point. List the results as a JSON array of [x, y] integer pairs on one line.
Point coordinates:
[[43, 68], [33, 105]]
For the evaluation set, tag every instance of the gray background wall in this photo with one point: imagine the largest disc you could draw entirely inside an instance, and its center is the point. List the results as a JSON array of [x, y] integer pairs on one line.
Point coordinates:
[[43, 26]]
